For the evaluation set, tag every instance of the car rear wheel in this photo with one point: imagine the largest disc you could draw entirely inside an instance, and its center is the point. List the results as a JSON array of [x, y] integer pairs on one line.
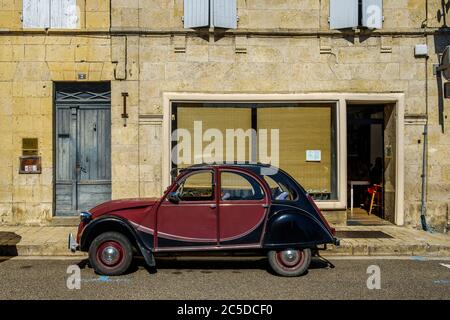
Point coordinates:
[[290, 262], [111, 254]]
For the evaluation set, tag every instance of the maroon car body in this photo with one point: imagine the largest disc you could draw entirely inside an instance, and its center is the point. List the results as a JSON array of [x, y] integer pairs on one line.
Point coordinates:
[[209, 208]]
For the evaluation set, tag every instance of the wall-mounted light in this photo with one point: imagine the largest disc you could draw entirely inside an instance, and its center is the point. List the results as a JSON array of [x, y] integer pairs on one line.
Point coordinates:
[[124, 114]]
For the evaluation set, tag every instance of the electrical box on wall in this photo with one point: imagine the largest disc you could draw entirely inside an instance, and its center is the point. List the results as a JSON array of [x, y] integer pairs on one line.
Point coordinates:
[[421, 50]]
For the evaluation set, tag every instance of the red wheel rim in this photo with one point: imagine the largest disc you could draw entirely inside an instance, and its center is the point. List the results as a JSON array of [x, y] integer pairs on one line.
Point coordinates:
[[110, 254], [290, 259]]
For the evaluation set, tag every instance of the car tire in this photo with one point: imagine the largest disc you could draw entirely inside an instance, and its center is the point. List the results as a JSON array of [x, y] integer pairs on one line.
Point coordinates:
[[111, 254], [290, 263]]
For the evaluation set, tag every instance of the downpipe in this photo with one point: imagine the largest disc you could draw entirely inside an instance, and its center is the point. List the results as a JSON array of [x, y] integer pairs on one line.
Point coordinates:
[[423, 208]]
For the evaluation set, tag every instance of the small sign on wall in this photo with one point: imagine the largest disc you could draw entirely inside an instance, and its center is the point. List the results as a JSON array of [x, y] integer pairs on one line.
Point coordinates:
[[313, 155]]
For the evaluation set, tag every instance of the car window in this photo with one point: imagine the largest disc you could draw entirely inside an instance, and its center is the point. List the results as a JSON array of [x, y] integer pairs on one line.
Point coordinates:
[[237, 186], [197, 187], [280, 191]]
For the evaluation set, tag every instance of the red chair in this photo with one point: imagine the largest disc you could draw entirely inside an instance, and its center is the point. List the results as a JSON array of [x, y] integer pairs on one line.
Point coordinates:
[[376, 192]]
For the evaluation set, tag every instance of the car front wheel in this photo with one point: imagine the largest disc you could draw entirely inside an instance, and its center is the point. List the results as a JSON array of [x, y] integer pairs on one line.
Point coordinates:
[[110, 254], [290, 262]]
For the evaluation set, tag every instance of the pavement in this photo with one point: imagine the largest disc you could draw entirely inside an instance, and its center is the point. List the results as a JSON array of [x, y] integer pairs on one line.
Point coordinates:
[[181, 279], [376, 240]]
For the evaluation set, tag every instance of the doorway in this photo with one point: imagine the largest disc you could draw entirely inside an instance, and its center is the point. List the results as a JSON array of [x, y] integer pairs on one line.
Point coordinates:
[[82, 146], [371, 164]]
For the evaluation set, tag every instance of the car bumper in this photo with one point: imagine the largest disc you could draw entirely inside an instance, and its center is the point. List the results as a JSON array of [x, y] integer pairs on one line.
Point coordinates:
[[72, 243], [336, 241]]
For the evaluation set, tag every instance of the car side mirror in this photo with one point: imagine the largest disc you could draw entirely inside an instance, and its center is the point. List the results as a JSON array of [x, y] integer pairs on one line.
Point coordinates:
[[173, 197]]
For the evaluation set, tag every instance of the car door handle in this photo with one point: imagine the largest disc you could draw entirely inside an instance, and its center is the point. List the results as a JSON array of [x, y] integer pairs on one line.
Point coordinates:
[[265, 206], [213, 206]]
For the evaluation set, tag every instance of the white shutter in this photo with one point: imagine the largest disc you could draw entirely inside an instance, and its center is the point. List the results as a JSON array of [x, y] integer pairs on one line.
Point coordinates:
[[343, 14], [36, 13], [372, 14], [196, 13], [224, 14], [64, 14]]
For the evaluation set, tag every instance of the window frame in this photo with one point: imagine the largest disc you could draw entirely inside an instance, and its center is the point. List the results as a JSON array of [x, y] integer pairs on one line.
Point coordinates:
[[190, 174], [247, 177]]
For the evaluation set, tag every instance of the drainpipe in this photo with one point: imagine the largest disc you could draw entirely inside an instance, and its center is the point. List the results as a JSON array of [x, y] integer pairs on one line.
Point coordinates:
[[423, 209]]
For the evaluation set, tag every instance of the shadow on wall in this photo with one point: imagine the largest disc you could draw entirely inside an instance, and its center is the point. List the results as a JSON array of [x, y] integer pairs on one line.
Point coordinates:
[[441, 40], [8, 242]]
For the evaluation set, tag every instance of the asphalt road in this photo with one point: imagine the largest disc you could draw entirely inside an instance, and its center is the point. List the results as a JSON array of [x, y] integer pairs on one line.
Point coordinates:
[[410, 278]]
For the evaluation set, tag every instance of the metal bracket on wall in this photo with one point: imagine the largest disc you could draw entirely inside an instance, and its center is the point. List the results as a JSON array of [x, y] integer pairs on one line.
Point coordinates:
[[124, 114]]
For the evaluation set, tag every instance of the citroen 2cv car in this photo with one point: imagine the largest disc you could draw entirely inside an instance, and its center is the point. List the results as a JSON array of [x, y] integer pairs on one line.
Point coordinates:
[[209, 208]]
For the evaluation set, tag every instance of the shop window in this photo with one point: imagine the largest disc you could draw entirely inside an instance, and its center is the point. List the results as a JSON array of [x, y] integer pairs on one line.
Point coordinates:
[[303, 129]]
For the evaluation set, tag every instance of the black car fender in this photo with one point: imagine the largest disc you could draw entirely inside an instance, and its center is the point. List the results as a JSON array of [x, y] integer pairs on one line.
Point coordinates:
[[293, 227], [113, 223]]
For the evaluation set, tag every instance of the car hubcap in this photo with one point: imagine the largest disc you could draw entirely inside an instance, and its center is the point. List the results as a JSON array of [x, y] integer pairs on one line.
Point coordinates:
[[290, 259], [110, 253]]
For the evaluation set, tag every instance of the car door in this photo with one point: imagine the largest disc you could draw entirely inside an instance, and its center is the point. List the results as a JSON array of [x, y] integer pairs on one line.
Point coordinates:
[[191, 221], [243, 206]]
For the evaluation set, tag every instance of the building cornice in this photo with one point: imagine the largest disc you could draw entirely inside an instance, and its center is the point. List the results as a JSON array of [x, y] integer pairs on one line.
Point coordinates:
[[247, 32]]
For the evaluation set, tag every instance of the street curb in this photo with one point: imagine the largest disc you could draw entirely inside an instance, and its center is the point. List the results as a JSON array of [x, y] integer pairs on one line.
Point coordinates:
[[343, 250]]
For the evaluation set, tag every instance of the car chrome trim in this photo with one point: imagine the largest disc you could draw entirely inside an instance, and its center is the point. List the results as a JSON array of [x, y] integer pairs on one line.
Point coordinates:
[[84, 215], [215, 248]]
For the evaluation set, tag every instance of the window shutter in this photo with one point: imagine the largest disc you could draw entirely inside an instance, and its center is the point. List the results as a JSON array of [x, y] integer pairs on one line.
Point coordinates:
[[372, 14], [196, 13], [343, 14], [224, 14], [36, 13], [64, 14]]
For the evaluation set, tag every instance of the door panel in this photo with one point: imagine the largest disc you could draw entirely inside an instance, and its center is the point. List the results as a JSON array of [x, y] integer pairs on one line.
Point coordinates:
[[239, 219], [94, 174], [389, 162], [188, 222], [242, 208], [83, 147], [193, 220]]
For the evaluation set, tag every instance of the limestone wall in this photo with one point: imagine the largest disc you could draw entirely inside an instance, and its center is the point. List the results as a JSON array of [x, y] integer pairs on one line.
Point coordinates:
[[148, 64]]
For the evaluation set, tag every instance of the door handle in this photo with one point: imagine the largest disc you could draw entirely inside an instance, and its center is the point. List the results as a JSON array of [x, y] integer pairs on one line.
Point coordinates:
[[213, 206], [265, 206]]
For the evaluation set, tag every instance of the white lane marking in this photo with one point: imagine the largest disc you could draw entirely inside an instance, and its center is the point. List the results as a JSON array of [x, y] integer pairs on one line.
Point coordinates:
[[445, 265]]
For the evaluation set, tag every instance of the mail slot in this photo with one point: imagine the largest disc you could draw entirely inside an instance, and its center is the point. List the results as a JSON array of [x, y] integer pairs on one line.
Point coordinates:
[[30, 164]]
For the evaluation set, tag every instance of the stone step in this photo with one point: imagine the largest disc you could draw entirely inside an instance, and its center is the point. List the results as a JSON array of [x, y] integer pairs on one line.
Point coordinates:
[[65, 221]]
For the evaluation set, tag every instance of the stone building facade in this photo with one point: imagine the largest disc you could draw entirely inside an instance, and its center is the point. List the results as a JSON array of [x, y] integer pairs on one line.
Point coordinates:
[[280, 52]]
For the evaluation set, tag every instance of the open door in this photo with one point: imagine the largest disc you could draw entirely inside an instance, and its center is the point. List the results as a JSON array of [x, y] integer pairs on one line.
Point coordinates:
[[389, 162]]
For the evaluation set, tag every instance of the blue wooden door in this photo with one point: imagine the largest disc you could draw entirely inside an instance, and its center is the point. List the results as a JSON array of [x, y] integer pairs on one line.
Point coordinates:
[[83, 147]]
